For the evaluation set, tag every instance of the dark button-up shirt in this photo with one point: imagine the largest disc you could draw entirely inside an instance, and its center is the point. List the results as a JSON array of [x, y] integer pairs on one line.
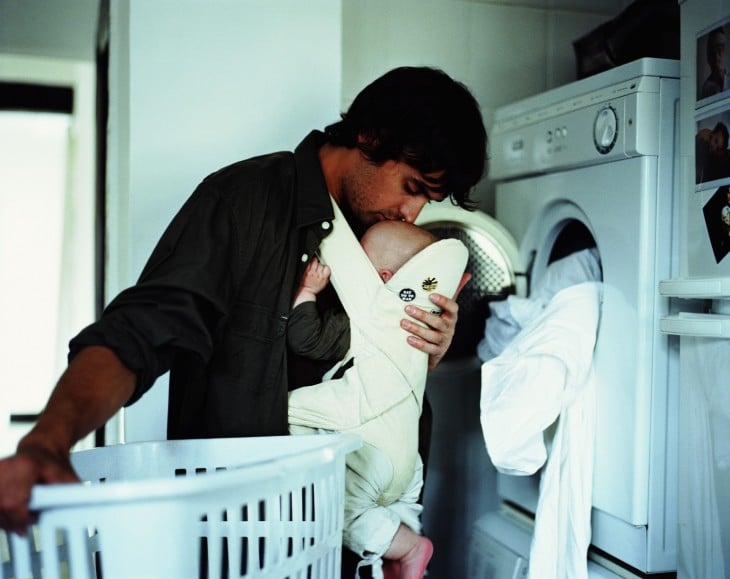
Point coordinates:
[[212, 302]]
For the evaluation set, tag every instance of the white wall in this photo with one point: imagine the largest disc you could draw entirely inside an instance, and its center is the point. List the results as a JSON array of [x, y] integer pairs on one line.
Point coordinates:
[[502, 50], [195, 86], [59, 29]]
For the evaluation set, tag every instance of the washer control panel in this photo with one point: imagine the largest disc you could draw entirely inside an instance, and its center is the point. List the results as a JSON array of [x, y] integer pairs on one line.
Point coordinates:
[[612, 123]]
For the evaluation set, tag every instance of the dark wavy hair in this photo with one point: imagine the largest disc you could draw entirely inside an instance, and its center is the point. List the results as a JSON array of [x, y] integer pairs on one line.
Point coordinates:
[[423, 117]]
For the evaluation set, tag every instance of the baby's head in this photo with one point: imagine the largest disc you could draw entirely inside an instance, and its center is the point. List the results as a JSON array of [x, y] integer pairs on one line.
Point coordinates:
[[390, 244]]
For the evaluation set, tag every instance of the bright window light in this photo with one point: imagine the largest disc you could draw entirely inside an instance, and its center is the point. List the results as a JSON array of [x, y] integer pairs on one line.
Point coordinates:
[[34, 162]]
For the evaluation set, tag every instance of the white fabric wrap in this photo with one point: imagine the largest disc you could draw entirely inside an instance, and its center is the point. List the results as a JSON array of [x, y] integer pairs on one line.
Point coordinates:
[[544, 374], [381, 395]]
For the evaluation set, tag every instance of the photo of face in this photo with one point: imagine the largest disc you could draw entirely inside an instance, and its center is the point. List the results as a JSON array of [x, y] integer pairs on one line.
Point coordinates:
[[712, 140], [712, 62]]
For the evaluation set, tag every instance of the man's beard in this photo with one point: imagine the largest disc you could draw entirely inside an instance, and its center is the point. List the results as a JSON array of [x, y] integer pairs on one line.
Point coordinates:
[[357, 226]]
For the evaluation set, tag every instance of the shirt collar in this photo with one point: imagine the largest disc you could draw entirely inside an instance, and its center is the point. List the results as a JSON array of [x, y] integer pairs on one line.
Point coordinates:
[[313, 200]]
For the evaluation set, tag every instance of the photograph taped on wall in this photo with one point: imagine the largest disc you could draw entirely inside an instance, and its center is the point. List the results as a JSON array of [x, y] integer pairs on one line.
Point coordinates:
[[717, 221], [712, 157], [713, 63]]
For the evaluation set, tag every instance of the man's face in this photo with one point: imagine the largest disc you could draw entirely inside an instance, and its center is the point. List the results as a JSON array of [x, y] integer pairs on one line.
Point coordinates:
[[393, 190]]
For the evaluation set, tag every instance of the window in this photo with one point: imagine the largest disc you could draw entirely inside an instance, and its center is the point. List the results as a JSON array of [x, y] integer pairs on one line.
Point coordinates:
[[47, 236]]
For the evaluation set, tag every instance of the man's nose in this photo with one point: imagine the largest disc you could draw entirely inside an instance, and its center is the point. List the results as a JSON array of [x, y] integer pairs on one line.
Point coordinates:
[[409, 211]]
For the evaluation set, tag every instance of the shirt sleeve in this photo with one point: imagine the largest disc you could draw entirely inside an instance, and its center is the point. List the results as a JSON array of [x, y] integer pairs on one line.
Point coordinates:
[[322, 337], [181, 298]]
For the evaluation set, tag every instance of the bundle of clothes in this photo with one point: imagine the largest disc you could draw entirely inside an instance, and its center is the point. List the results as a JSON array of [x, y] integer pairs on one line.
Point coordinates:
[[538, 404]]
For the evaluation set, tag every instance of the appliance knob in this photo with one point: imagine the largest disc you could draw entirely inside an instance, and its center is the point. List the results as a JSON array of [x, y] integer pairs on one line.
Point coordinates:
[[605, 129]]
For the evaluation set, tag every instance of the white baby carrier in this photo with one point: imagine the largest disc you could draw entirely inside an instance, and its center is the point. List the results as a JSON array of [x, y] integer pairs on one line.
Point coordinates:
[[381, 395]]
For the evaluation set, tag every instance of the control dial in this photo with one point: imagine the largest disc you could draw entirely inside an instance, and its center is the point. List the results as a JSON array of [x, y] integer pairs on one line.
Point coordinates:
[[605, 129]]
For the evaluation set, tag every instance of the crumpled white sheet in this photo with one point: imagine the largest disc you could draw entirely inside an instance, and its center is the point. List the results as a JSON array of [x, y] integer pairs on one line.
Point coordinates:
[[508, 317], [546, 373]]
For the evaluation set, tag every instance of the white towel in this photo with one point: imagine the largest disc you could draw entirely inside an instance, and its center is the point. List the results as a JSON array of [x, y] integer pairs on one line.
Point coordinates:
[[508, 317], [546, 373]]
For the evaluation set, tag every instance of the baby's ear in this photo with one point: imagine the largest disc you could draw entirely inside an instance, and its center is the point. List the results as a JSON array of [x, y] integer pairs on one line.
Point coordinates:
[[385, 275]]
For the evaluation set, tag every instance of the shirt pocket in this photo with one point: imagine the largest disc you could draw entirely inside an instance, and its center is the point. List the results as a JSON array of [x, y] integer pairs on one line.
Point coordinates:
[[256, 322], [252, 355]]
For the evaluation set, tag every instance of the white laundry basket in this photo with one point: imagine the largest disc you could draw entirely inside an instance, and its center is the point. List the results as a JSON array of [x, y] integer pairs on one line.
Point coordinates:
[[241, 507]]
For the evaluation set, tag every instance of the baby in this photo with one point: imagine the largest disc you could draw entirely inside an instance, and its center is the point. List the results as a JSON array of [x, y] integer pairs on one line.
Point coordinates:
[[376, 390]]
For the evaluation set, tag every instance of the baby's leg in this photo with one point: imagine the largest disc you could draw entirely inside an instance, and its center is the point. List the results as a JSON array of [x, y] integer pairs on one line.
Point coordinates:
[[408, 555]]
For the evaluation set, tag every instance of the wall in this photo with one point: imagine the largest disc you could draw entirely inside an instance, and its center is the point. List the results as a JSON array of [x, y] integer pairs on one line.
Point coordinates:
[[193, 89], [65, 29], [503, 50]]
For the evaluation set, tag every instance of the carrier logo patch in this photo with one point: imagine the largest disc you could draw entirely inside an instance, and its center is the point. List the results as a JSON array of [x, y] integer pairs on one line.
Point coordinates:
[[429, 284], [407, 294]]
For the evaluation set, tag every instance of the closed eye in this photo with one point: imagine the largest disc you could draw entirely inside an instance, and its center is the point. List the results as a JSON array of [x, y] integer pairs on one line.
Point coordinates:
[[416, 187]]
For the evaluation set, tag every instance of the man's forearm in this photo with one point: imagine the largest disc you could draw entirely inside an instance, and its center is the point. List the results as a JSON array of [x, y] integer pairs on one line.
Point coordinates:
[[92, 389]]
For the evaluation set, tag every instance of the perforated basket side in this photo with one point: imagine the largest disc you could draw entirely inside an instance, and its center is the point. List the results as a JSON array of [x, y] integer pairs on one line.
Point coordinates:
[[267, 518]]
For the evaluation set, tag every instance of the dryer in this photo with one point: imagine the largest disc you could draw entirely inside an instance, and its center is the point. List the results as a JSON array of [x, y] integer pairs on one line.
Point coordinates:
[[592, 164]]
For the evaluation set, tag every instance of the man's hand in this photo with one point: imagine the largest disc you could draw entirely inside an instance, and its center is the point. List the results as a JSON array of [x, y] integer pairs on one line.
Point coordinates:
[[94, 386], [436, 338], [18, 474]]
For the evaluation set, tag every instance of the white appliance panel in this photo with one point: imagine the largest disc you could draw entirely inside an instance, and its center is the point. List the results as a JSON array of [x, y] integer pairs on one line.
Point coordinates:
[[611, 169], [630, 354]]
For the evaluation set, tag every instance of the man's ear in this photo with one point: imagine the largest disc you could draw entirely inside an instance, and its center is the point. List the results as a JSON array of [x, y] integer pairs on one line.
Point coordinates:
[[385, 275]]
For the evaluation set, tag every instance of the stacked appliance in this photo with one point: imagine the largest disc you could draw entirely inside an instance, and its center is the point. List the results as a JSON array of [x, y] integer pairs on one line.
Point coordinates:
[[592, 164]]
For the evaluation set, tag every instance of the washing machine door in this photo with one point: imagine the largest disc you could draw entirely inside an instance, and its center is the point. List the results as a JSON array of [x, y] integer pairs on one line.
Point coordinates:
[[494, 264]]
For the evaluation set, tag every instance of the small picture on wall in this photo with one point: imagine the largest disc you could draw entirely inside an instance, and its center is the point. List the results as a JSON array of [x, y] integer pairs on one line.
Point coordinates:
[[713, 63], [717, 221], [712, 158]]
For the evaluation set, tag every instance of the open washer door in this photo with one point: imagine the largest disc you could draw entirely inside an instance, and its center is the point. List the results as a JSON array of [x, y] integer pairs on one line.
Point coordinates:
[[494, 264]]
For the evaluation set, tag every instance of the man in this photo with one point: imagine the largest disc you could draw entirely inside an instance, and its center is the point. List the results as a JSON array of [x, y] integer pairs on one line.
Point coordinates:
[[212, 302]]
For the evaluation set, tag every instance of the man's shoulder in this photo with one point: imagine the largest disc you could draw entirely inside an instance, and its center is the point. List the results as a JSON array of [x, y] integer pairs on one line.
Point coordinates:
[[261, 169], [248, 186]]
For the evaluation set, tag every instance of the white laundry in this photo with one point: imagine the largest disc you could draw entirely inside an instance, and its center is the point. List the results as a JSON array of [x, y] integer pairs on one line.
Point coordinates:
[[546, 373], [508, 317]]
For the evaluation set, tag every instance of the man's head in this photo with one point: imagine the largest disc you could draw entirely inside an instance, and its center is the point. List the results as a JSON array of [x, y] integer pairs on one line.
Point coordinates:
[[390, 244], [421, 132]]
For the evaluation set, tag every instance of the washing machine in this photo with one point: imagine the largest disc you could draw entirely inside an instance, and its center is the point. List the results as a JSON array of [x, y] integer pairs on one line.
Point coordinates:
[[592, 164]]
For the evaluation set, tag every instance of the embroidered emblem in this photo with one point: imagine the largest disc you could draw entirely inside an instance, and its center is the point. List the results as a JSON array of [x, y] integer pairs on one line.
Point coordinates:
[[407, 295], [429, 284]]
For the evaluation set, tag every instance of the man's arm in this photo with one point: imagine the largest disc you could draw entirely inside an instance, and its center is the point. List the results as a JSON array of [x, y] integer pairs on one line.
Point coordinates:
[[92, 389]]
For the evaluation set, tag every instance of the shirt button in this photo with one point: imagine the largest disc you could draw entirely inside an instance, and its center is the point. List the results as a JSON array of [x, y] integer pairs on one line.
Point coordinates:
[[305, 258], [325, 225]]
